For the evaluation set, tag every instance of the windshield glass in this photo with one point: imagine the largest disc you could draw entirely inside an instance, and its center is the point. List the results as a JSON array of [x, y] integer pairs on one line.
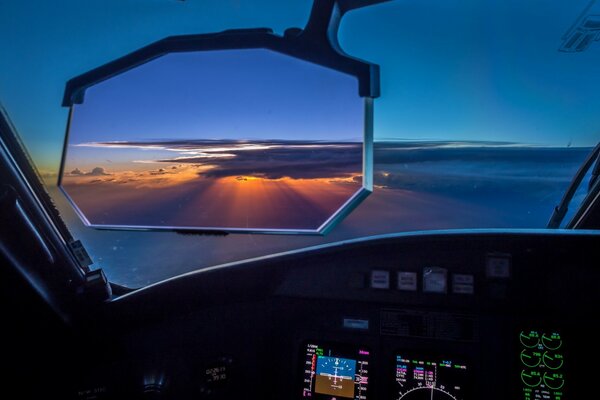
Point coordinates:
[[487, 110]]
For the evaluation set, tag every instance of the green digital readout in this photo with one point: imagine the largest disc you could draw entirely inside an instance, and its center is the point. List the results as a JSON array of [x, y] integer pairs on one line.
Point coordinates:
[[531, 358], [529, 339], [542, 363], [552, 360], [531, 378]]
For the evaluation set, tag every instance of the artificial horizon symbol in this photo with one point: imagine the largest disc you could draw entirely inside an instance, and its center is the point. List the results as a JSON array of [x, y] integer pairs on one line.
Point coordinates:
[[584, 31]]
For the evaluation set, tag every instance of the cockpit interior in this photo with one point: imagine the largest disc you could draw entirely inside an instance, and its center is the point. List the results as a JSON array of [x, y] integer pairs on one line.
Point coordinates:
[[328, 199]]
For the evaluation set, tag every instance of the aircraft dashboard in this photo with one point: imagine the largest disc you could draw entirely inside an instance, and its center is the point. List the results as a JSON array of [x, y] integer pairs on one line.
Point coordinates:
[[446, 316]]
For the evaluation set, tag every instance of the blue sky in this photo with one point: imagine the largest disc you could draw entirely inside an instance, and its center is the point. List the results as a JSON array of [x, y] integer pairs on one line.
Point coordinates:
[[45, 43], [450, 69], [208, 95], [473, 69]]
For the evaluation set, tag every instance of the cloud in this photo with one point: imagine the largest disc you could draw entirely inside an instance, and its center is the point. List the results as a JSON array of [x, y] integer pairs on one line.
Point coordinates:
[[159, 177], [472, 151], [268, 159], [97, 171], [212, 147], [295, 163], [430, 166], [489, 171]]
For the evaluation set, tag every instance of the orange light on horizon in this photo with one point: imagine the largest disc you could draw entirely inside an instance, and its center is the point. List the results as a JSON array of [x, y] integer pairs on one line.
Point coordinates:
[[191, 199]]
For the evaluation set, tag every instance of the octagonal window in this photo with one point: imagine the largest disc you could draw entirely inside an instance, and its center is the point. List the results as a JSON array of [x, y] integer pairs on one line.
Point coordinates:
[[248, 140]]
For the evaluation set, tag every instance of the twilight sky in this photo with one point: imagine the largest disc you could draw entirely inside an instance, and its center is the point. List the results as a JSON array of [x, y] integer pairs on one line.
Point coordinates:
[[240, 94], [480, 70], [214, 183], [244, 138], [451, 70]]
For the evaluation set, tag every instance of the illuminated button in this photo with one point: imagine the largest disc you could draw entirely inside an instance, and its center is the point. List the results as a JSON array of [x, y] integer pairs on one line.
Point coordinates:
[[434, 280], [407, 281], [380, 279], [463, 284], [498, 266], [353, 323]]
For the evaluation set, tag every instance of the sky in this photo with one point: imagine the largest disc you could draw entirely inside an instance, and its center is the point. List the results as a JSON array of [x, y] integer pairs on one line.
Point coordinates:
[[240, 139], [209, 95], [459, 68], [456, 73], [417, 187], [267, 184], [450, 69], [51, 42]]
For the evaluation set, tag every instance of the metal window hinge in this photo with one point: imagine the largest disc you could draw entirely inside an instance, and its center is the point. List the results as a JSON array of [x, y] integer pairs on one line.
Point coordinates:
[[83, 258], [96, 287]]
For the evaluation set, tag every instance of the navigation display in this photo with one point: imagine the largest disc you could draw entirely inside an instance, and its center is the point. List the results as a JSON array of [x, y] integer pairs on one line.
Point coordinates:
[[335, 371], [431, 378]]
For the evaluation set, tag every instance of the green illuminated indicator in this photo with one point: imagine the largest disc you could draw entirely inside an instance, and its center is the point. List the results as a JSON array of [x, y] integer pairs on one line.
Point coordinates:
[[530, 358], [551, 341], [554, 381], [529, 339], [531, 378], [553, 360]]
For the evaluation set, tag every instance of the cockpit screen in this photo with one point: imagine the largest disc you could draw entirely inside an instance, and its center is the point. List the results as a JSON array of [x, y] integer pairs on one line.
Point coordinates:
[[542, 365], [335, 371], [430, 378]]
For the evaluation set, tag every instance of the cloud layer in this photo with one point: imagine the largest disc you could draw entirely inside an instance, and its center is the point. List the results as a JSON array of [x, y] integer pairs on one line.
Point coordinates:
[[300, 184], [97, 171], [264, 159]]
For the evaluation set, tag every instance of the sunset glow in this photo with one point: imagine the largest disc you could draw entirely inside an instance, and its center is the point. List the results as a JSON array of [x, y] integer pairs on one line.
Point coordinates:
[[268, 185]]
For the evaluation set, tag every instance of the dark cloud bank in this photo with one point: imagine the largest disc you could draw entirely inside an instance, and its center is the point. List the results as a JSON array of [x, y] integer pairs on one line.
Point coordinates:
[[424, 166], [98, 171]]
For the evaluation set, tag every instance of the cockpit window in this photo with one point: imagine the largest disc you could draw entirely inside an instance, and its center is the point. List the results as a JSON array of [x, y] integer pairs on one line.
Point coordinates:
[[246, 140], [487, 109]]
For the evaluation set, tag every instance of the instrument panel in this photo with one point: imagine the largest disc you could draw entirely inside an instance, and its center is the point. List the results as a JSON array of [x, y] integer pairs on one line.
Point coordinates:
[[469, 318], [333, 371], [340, 371]]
